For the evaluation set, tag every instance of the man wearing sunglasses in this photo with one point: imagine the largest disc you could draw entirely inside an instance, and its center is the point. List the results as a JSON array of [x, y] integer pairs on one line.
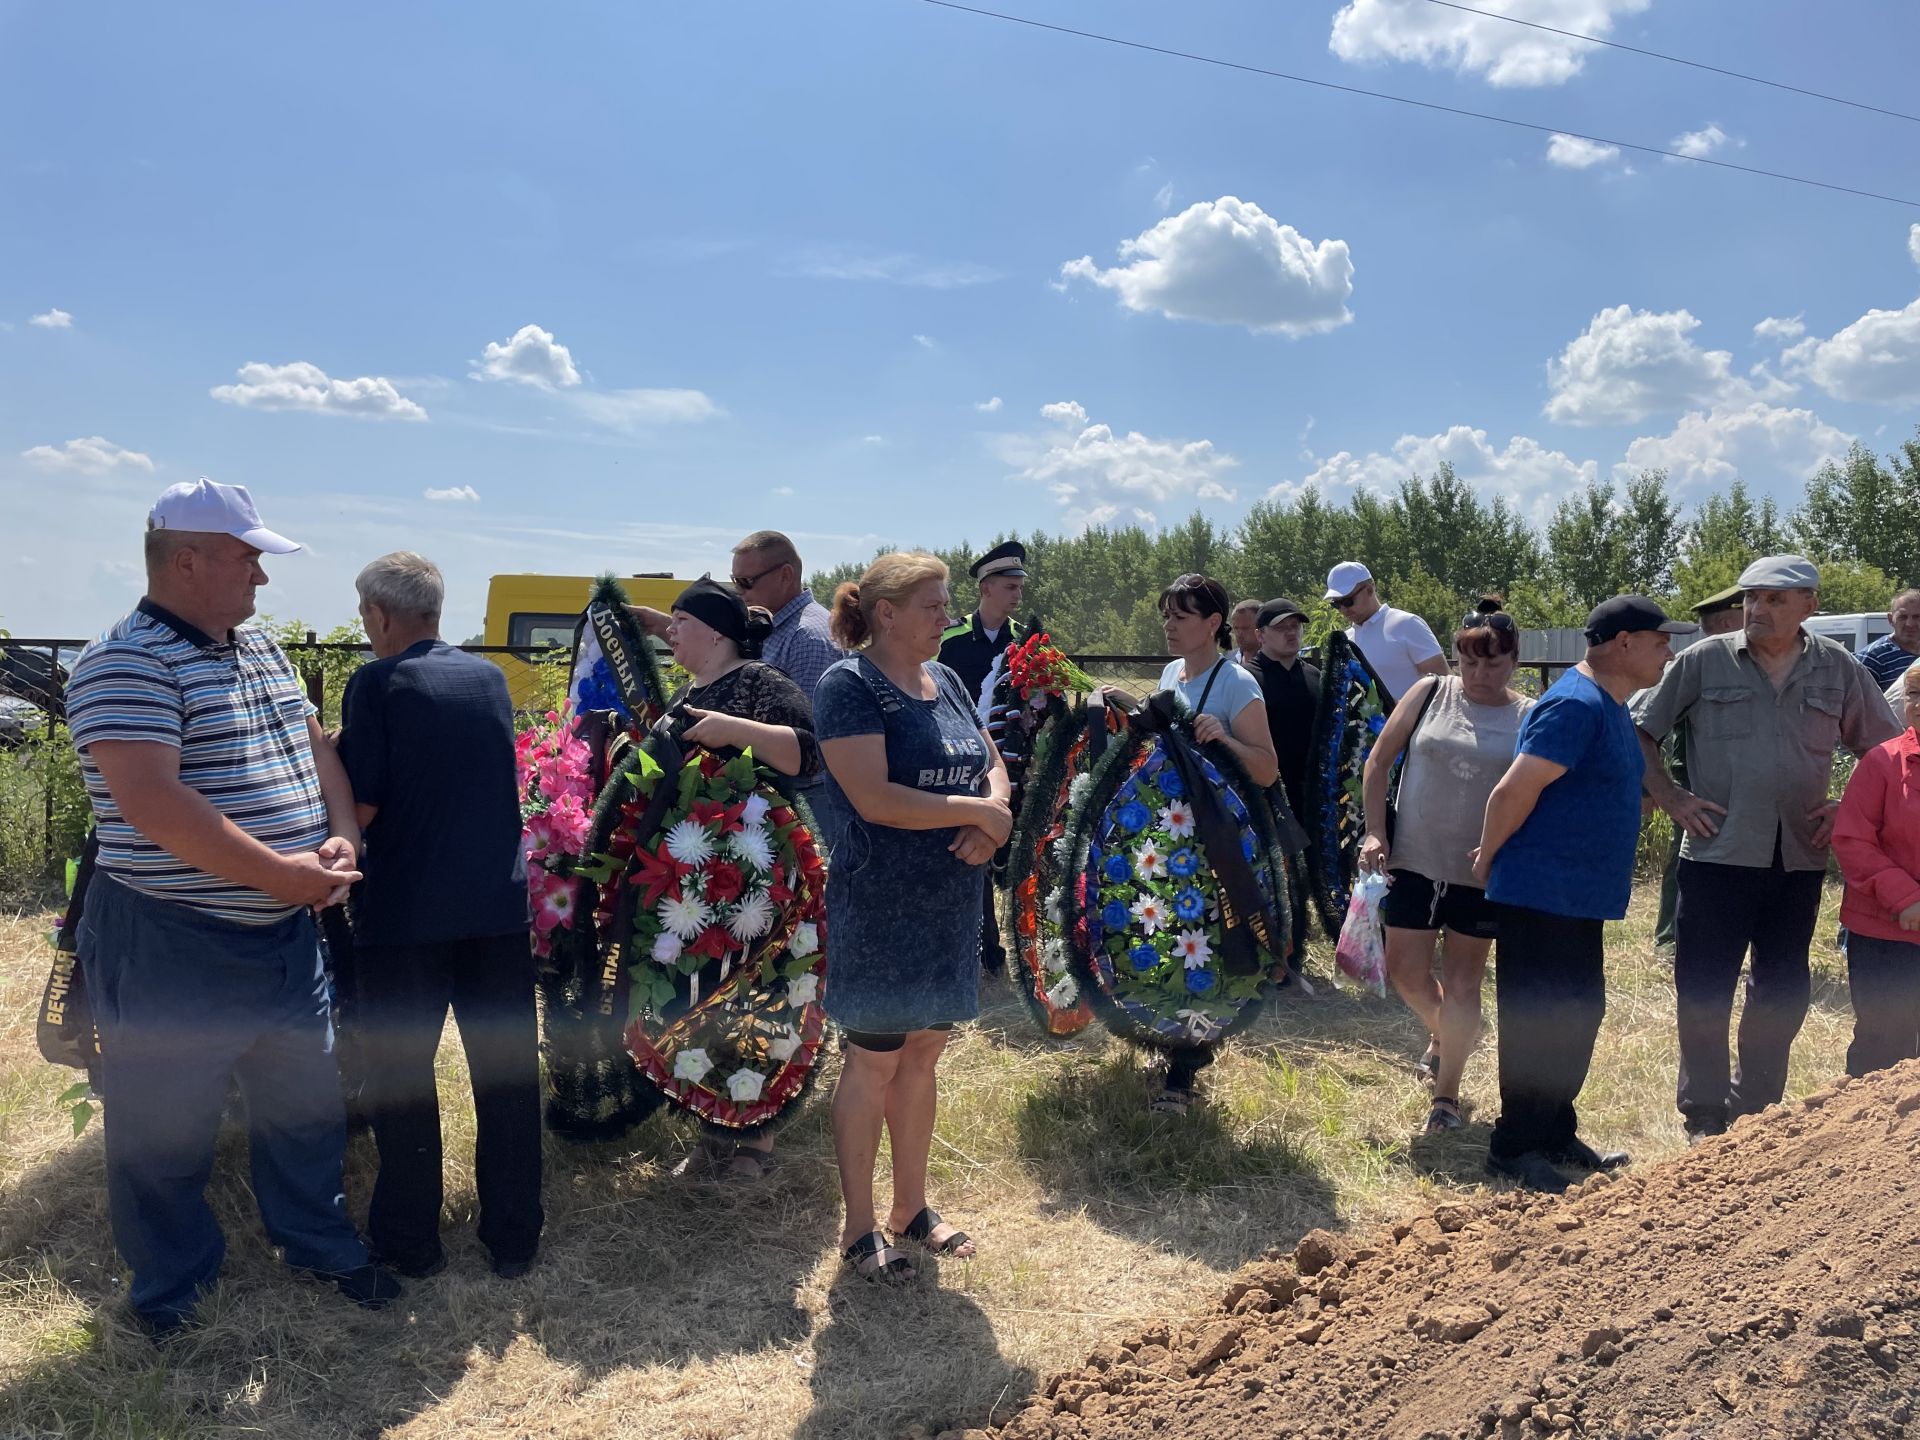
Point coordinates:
[[767, 573], [1399, 645]]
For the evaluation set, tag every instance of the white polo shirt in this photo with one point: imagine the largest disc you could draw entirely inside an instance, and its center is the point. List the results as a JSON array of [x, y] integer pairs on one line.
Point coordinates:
[[1395, 642]]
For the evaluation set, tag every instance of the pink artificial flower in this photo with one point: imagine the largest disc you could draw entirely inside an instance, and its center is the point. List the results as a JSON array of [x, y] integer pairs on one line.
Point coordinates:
[[568, 822], [554, 910]]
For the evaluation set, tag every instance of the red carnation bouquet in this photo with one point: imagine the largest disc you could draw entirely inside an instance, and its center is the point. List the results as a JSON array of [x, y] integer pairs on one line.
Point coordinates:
[[1037, 668]]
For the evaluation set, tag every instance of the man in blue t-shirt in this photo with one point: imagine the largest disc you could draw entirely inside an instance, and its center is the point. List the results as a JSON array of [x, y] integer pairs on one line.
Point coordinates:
[[440, 920], [1556, 857]]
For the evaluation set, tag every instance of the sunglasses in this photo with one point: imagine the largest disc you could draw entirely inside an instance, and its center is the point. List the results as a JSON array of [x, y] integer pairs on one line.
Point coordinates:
[[747, 582], [1345, 602], [1499, 620]]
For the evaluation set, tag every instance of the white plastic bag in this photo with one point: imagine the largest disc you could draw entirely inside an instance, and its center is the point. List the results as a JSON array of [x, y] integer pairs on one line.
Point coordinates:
[[1360, 956]]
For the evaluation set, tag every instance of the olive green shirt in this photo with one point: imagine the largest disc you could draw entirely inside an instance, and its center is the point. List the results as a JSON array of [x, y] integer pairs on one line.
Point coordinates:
[[1765, 754]]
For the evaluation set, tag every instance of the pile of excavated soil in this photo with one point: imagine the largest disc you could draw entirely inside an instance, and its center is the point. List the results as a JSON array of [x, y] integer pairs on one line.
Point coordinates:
[[1763, 1284]]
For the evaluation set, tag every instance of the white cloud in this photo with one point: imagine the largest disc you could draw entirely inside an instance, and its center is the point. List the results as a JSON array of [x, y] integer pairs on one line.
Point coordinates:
[[873, 439], [1698, 144], [989, 406], [94, 455], [1570, 152], [301, 386], [637, 409], [530, 357], [1780, 328], [1524, 469], [1505, 53], [783, 491], [1228, 262], [1875, 359], [889, 269], [1099, 477], [1913, 244], [1163, 198], [1773, 449], [1628, 364], [54, 319], [461, 493], [925, 342]]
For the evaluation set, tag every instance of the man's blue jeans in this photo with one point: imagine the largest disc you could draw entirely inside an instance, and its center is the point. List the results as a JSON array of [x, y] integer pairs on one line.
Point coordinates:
[[184, 1002]]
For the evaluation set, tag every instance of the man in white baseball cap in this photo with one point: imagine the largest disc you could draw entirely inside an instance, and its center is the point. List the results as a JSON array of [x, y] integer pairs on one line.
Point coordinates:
[[224, 817], [1398, 645]]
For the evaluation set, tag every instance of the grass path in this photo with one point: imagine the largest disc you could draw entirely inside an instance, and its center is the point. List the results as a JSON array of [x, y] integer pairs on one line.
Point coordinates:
[[670, 1308]]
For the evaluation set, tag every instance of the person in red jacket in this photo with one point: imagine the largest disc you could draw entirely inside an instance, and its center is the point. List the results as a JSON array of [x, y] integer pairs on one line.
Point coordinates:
[[1877, 840]]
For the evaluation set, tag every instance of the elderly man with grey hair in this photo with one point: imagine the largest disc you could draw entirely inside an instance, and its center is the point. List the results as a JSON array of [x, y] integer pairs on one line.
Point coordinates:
[[1765, 708], [440, 921]]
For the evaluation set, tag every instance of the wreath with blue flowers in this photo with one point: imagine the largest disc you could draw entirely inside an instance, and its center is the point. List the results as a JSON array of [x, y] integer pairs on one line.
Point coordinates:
[[1349, 720]]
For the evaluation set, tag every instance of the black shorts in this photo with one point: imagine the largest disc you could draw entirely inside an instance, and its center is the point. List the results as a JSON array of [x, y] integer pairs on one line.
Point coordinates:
[[1416, 903], [883, 1044]]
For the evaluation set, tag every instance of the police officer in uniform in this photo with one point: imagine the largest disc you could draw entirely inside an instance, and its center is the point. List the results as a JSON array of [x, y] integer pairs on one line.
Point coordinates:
[[969, 650]]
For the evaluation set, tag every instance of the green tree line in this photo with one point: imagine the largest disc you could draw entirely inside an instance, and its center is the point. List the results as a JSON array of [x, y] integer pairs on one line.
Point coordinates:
[[1434, 546]]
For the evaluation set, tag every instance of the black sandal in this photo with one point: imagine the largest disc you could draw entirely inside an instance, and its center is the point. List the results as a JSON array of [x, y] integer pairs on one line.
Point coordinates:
[[868, 1256], [920, 1230]]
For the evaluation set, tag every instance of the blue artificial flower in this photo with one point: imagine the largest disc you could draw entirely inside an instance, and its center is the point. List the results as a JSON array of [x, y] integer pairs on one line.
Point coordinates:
[[1376, 723], [1116, 870], [1114, 915], [1134, 817], [1171, 785], [1189, 904], [1199, 982], [1246, 846], [596, 690], [1144, 957], [1183, 862]]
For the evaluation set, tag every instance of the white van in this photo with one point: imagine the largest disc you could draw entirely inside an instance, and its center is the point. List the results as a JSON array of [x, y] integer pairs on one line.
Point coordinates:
[[1856, 632]]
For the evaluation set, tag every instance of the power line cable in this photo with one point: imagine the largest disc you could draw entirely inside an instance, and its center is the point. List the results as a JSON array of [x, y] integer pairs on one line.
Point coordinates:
[[1419, 104], [1678, 60]]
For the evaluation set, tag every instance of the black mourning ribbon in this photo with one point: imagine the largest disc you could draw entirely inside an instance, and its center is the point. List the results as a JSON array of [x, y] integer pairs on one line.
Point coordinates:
[[617, 643], [1247, 924]]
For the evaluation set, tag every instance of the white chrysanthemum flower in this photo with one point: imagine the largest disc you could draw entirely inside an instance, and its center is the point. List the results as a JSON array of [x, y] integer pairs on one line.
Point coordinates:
[[802, 988], [1178, 819], [744, 1086], [685, 917], [1054, 956], [1078, 787], [752, 917], [1151, 911], [691, 1065], [754, 811], [1065, 992], [1148, 862], [690, 843], [666, 947], [783, 1045], [1063, 850], [753, 846], [1192, 947], [806, 939], [1057, 907]]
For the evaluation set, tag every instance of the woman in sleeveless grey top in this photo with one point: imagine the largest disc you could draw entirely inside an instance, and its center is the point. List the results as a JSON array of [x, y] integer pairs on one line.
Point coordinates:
[[1458, 734]]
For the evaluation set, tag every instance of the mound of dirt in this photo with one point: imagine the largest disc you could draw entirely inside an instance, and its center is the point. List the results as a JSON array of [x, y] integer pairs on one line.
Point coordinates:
[[1763, 1284]]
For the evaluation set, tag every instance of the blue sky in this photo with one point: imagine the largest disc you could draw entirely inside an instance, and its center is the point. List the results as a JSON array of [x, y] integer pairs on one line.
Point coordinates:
[[618, 283]]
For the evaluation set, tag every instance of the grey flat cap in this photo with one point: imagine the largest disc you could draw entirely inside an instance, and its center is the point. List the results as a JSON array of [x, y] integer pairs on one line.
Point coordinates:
[[1781, 572]]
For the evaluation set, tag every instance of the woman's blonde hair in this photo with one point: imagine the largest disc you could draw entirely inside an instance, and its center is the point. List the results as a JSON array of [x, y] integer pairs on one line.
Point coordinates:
[[891, 577]]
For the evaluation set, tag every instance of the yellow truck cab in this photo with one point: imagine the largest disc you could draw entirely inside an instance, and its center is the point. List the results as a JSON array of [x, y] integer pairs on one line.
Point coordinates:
[[541, 611]]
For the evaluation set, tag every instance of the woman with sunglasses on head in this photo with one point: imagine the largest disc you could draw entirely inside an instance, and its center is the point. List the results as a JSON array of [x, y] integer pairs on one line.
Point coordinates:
[[1458, 734]]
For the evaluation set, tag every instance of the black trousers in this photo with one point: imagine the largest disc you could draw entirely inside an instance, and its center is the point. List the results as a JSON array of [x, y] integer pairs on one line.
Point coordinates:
[[1550, 993], [1723, 910], [405, 991], [1884, 978]]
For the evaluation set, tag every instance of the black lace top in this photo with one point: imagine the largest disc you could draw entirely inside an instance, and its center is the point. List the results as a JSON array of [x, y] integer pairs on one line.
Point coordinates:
[[757, 691]]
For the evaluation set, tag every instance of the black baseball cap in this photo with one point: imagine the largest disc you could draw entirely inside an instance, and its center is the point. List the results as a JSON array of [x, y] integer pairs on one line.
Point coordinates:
[[1625, 614], [1278, 610]]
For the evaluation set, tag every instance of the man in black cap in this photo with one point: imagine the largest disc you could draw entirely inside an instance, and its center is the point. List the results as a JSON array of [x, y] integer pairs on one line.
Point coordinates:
[[969, 650], [1718, 615], [1291, 688], [1556, 857]]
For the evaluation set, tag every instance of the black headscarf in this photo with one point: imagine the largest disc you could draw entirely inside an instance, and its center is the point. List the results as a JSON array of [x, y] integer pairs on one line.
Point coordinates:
[[720, 608]]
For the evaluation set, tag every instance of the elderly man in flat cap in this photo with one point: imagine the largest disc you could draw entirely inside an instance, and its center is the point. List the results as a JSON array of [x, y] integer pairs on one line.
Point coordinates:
[[1719, 614], [969, 650], [1765, 707]]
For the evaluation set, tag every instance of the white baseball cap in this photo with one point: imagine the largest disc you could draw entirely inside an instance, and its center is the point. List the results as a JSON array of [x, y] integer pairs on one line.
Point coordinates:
[[1345, 578], [210, 508]]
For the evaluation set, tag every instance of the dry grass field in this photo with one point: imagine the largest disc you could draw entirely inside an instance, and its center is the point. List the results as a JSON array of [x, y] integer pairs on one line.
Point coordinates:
[[675, 1308]]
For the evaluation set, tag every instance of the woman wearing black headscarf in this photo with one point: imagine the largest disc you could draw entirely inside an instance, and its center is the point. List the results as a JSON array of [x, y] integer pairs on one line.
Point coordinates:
[[735, 702]]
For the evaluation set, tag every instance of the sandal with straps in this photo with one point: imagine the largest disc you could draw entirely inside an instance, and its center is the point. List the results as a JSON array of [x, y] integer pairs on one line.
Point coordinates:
[[920, 1230], [1444, 1116], [872, 1258]]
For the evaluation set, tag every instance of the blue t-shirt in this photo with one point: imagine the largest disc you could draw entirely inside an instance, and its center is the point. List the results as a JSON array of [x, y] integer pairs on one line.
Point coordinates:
[[1233, 689], [1574, 854], [428, 739]]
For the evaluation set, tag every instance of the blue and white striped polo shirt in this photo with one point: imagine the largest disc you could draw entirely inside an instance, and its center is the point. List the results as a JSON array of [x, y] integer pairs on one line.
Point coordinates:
[[236, 713]]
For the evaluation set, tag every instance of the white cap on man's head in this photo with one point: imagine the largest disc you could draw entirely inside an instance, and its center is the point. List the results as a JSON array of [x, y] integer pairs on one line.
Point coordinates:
[[1345, 578], [209, 508]]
